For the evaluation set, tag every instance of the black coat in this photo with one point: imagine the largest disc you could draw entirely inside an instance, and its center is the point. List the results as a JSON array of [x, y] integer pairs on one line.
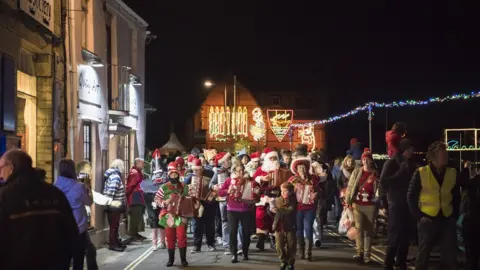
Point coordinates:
[[37, 226], [395, 179]]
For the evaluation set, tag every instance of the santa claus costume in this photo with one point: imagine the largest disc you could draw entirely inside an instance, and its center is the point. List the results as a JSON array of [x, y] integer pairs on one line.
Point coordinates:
[[264, 221], [306, 190], [175, 226]]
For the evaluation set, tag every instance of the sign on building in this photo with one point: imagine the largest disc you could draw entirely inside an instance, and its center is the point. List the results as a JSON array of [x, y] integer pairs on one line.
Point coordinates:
[[39, 10], [462, 139], [280, 121]]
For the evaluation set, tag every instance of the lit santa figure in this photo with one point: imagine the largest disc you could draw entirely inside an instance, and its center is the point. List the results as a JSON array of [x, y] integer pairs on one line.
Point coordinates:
[[263, 176]]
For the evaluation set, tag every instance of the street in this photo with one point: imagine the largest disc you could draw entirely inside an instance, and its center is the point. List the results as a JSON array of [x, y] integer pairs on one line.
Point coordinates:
[[336, 253]]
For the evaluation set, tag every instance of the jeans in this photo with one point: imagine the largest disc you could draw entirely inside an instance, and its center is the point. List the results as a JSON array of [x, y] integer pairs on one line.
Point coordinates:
[[85, 247], [305, 219], [205, 224], [245, 219], [226, 227], [114, 224], [398, 235], [338, 208]]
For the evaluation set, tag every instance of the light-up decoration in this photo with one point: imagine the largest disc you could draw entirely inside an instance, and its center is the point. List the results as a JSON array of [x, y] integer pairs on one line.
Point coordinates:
[[380, 156], [224, 122], [257, 130], [395, 104], [307, 136], [462, 139], [280, 122]]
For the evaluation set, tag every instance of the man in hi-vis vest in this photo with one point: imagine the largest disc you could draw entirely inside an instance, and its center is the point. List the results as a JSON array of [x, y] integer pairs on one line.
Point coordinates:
[[434, 200]]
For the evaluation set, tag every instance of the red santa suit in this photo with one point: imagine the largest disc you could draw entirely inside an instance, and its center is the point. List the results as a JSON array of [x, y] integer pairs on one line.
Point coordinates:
[[264, 221]]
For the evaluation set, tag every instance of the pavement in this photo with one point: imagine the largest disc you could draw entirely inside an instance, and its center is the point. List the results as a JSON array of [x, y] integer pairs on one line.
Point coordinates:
[[335, 253]]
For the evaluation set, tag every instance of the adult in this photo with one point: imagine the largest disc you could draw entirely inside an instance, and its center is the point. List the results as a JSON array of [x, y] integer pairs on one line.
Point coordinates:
[[115, 190], [244, 158], [355, 151], [362, 196], [434, 201], [241, 193], [322, 173], [395, 179], [79, 198], [198, 184], [135, 200], [38, 227], [262, 176], [306, 189], [180, 166], [347, 167], [175, 226]]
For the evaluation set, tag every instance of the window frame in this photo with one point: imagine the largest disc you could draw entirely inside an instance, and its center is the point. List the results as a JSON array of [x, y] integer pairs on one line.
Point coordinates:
[[87, 141]]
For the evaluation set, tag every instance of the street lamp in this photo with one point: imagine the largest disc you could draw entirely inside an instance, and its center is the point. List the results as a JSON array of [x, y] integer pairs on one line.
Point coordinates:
[[208, 84]]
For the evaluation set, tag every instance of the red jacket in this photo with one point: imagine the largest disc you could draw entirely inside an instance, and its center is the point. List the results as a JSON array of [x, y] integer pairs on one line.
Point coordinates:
[[133, 190]]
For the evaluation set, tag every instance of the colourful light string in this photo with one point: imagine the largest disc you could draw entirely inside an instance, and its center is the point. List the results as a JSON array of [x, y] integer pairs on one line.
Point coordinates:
[[395, 104]]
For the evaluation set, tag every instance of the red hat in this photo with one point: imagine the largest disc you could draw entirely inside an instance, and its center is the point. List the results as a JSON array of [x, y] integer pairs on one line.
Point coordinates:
[[156, 154], [300, 161], [268, 153], [190, 159], [353, 141], [255, 156], [197, 164], [172, 167], [180, 161], [367, 153], [221, 157]]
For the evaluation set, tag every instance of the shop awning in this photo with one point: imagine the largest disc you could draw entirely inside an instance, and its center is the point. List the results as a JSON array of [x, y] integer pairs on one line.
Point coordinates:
[[173, 144]]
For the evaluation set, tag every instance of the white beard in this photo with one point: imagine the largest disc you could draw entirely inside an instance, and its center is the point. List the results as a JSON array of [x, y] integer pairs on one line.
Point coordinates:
[[269, 166]]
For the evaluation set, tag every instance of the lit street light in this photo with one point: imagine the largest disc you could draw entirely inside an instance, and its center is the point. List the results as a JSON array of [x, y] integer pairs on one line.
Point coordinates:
[[208, 83]]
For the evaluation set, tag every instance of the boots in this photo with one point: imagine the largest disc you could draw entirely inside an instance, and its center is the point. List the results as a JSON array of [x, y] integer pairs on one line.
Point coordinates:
[[309, 246], [171, 257], [272, 242], [245, 254], [261, 242], [234, 258], [183, 256], [301, 248]]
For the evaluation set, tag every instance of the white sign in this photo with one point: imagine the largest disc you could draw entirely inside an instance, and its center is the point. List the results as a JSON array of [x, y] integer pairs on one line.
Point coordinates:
[[89, 92], [40, 10]]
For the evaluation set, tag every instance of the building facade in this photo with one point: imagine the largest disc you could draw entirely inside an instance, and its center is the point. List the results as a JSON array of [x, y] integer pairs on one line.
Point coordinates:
[[105, 89], [231, 117], [32, 77]]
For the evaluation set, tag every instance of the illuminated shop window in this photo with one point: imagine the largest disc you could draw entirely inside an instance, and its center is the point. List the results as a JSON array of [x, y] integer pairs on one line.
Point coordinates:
[[27, 113]]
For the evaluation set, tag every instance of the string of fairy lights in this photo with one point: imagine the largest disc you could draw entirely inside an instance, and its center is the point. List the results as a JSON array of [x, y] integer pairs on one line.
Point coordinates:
[[396, 104]]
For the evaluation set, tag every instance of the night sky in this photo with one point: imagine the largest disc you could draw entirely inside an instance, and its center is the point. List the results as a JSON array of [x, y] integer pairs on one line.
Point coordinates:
[[354, 51]]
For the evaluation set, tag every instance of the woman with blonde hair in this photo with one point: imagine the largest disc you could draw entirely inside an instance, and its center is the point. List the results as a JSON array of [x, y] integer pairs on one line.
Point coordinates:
[[346, 169]]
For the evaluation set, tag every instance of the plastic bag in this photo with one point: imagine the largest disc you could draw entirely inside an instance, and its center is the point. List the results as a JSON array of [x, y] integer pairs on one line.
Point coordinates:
[[346, 221]]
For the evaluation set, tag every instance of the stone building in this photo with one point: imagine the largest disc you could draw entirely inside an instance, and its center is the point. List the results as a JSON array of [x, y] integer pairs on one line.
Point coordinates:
[[32, 77]]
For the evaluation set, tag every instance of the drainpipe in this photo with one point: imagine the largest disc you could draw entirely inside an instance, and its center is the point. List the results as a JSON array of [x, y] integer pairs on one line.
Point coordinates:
[[72, 102]]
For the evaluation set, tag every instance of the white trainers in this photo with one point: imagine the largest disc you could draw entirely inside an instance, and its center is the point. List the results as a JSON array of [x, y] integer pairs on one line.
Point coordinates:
[[227, 252], [219, 241], [162, 246]]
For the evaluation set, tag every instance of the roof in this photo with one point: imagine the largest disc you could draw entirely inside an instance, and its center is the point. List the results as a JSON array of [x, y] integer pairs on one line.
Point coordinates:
[[173, 144]]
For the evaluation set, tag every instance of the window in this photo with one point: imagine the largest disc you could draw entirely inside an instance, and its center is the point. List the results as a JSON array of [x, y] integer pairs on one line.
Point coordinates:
[[275, 101], [26, 108], [126, 155], [87, 142]]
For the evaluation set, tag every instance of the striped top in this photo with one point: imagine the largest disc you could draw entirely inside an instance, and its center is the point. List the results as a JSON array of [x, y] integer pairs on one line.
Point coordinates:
[[114, 187]]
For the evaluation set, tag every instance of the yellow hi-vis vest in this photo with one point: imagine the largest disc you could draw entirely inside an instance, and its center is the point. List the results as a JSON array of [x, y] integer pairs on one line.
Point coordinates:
[[434, 197]]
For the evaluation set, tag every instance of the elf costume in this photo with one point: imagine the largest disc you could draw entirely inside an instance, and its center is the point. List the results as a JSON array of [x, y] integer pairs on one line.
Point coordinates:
[[175, 226]]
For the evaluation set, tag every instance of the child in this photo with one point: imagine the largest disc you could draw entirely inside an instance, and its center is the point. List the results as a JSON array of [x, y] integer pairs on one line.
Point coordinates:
[[394, 136], [283, 210]]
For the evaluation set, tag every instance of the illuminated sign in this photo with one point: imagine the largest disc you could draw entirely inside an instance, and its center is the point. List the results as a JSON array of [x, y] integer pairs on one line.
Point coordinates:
[[307, 135], [224, 122], [462, 139], [39, 10], [280, 121], [257, 130]]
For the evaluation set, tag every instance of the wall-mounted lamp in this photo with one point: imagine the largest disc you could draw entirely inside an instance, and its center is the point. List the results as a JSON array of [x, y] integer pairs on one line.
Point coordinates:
[[96, 63], [91, 58], [135, 81]]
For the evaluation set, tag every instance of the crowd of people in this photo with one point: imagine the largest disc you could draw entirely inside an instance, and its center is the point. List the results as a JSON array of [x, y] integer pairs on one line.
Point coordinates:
[[278, 198]]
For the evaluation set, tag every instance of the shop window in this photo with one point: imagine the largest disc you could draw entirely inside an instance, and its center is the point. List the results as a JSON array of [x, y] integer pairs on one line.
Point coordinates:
[[26, 107], [87, 142]]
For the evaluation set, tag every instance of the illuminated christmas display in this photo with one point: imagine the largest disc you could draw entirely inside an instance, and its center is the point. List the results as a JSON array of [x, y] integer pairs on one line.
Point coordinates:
[[395, 104], [280, 122], [307, 136], [224, 122], [460, 140], [257, 130]]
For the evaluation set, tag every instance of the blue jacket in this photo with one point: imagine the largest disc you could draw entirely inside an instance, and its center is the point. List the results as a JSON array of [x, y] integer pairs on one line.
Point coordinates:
[[355, 151], [78, 198]]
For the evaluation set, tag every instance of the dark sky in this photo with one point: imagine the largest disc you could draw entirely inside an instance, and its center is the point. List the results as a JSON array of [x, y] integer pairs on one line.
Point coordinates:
[[354, 51]]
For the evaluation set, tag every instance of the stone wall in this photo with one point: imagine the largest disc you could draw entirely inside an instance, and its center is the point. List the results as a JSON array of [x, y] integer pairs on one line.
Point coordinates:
[[44, 125]]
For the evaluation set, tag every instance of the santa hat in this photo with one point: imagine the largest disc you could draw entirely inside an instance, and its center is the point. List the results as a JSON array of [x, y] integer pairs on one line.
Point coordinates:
[[367, 153], [172, 167], [197, 164], [268, 153], [156, 154], [300, 161], [180, 161], [190, 159], [221, 157], [255, 157]]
